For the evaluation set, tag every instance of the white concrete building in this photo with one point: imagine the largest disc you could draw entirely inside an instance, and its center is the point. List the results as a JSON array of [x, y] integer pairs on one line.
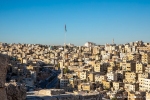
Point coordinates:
[[83, 75], [111, 76], [89, 44], [144, 84]]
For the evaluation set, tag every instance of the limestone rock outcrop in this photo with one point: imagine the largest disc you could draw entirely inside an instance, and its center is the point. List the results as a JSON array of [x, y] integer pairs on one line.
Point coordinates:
[[11, 90], [3, 95], [15, 91], [3, 72]]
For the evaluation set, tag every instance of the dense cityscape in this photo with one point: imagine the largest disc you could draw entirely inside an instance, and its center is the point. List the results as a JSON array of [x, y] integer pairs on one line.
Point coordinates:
[[74, 50], [88, 72]]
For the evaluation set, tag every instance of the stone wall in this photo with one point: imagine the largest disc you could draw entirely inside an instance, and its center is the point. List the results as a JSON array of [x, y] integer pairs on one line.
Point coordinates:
[[68, 96], [51, 91]]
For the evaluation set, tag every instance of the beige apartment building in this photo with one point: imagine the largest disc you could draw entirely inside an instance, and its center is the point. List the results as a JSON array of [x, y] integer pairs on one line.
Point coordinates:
[[112, 63], [100, 78], [146, 58], [131, 87], [84, 87], [92, 63], [124, 59], [117, 85], [130, 77], [96, 50], [61, 63], [97, 57], [144, 75], [106, 85], [99, 68], [134, 57], [147, 48], [128, 66], [91, 77], [110, 69], [140, 68], [147, 68]]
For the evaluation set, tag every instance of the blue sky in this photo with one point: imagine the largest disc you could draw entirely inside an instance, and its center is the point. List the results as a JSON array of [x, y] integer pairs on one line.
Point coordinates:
[[99, 21]]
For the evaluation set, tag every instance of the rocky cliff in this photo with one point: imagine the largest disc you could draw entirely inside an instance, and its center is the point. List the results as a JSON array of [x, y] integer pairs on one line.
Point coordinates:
[[3, 72], [15, 91], [12, 90]]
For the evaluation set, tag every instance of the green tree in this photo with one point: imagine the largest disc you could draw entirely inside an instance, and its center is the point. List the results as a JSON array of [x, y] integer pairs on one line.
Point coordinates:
[[113, 99], [65, 70], [58, 65]]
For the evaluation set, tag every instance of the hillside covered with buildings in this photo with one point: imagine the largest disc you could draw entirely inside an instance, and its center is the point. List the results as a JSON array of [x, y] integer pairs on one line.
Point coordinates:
[[89, 72]]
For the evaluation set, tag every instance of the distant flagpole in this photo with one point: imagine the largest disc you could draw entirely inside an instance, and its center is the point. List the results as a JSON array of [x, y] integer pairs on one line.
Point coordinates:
[[65, 28], [65, 34], [64, 52]]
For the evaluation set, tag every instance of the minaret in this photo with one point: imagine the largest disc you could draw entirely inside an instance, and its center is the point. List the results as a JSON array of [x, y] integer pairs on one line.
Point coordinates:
[[113, 41]]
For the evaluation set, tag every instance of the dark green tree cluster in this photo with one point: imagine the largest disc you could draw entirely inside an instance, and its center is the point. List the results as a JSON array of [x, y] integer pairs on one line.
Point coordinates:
[[66, 70]]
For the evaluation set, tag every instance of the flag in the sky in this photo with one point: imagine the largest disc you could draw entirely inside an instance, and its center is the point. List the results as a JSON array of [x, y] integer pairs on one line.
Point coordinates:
[[65, 28]]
